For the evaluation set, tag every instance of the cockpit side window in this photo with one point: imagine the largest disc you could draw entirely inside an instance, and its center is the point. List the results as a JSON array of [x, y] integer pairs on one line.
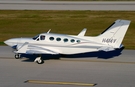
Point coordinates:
[[35, 37], [42, 37]]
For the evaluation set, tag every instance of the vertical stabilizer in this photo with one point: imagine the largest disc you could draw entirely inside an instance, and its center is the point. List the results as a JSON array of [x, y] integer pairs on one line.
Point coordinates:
[[114, 34]]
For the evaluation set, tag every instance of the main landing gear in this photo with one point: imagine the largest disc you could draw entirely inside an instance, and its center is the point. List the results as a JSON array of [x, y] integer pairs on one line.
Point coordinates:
[[39, 60]]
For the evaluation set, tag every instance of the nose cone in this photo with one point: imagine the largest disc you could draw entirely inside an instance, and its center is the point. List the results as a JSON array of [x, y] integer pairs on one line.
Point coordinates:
[[11, 42], [17, 41]]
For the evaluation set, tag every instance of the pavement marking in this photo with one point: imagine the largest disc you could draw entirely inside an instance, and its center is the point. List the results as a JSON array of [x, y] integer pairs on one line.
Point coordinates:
[[59, 83], [103, 61]]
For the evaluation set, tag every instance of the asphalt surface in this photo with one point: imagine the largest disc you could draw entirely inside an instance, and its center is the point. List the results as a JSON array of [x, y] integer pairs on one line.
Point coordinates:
[[66, 5], [114, 72], [117, 71]]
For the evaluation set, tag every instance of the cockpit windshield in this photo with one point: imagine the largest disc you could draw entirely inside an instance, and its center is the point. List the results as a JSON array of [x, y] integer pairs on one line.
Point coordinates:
[[35, 37]]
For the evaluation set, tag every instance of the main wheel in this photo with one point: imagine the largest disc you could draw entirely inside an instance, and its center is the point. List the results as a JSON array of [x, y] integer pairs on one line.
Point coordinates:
[[17, 56], [40, 61]]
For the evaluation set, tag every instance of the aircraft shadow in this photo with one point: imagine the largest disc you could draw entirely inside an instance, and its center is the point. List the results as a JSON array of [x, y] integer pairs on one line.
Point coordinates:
[[100, 54], [31, 58]]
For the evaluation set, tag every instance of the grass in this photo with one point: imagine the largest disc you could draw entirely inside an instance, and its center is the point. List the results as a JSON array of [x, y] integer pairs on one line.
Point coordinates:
[[1, 43], [29, 23]]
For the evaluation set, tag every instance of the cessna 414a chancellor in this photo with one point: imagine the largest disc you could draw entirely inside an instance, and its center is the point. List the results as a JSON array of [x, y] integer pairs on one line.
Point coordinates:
[[50, 43]]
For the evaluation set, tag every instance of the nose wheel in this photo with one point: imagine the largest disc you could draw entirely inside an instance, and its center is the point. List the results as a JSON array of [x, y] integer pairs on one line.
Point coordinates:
[[17, 56]]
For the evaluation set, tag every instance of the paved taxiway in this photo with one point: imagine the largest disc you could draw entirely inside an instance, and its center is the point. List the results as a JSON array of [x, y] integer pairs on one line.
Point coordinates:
[[67, 5], [115, 72]]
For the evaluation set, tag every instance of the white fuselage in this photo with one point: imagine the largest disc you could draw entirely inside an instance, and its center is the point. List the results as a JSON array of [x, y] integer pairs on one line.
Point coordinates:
[[59, 43]]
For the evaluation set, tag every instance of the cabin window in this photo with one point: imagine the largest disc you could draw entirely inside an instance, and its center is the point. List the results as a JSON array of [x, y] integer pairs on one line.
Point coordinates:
[[42, 37], [78, 41], [51, 38], [72, 40], [65, 40], [58, 39]]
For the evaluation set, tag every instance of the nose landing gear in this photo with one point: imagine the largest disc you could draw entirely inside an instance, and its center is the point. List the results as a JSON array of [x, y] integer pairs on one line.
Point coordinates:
[[17, 56]]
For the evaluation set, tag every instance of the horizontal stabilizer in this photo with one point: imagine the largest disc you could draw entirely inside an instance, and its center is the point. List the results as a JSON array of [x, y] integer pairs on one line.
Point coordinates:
[[106, 48]]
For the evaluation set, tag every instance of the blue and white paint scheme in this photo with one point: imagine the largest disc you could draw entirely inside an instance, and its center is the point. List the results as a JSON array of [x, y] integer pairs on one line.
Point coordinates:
[[50, 43]]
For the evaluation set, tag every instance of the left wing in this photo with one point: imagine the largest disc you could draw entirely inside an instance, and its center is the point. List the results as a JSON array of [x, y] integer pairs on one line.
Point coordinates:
[[27, 48]]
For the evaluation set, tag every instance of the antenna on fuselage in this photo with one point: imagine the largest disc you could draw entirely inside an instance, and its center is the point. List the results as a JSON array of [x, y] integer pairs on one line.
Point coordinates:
[[49, 31], [82, 33]]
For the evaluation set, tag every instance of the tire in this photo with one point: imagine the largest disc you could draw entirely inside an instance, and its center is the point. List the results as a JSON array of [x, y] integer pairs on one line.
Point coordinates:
[[17, 56], [40, 61]]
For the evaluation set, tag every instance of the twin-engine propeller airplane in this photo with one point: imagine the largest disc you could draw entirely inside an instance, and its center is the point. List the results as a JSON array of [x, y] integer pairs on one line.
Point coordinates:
[[50, 43]]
